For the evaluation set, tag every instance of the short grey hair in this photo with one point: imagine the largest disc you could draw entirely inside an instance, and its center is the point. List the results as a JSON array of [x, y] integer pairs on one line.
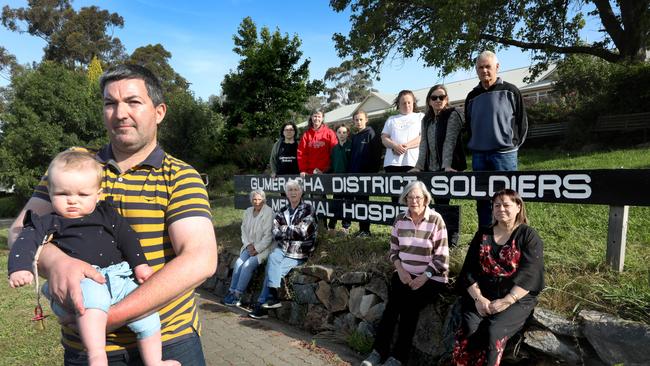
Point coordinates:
[[410, 187], [293, 183], [258, 192], [487, 54]]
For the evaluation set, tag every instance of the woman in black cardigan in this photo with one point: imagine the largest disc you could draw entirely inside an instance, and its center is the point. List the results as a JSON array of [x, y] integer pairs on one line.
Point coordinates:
[[501, 278], [441, 148]]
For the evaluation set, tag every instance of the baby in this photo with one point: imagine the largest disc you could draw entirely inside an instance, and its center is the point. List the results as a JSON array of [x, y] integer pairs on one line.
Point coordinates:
[[97, 234]]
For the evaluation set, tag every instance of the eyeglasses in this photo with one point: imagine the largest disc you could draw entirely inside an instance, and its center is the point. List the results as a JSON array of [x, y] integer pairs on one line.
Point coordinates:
[[416, 198], [438, 97], [288, 130]]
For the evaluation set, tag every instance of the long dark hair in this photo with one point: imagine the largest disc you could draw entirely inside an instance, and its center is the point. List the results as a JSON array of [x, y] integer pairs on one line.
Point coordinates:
[[429, 111], [295, 129]]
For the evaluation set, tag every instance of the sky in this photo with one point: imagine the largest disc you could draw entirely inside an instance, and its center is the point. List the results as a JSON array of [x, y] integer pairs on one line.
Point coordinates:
[[199, 36]]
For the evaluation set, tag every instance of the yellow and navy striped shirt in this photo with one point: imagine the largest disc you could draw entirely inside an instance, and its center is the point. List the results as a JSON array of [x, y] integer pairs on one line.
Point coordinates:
[[151, 196]]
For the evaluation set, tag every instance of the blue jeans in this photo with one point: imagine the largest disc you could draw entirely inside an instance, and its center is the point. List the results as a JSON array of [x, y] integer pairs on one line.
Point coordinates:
[[488, 162], [187, 351], [119, 283], [277, 266], [244, 268]]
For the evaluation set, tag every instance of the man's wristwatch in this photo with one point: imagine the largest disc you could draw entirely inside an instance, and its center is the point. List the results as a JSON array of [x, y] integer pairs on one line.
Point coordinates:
[[428, 274]]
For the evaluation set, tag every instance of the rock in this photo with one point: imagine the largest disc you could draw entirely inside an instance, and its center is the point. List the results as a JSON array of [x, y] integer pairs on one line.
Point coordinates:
[[548, 343], [221, 289], [345, 323], [556, 323], [354, 278], [366, 329], [322, 272], [323, 292], [297, 314], [378, 287], [367, 301], [284, 312], [335, 298], [209, 283], [223, 270], [305, 294], [316, 319], [356, 294], [300, 278], [616, 341], [428, 332], [374, 314]]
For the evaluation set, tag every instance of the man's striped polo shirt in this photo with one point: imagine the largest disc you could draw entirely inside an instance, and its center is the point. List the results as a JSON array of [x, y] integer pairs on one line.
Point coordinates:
[[151, 196]]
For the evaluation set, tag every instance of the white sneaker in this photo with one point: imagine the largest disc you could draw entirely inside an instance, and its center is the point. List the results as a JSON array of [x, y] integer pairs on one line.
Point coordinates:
[[374, 359]]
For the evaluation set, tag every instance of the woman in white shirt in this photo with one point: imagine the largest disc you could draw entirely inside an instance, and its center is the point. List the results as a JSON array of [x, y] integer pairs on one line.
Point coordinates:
[[256, 237], [401, 135]]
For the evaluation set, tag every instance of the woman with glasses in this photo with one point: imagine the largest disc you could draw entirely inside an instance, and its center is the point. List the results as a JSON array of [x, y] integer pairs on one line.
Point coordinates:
[[284, 155], [419, 252], [441, 148], [501, 278]]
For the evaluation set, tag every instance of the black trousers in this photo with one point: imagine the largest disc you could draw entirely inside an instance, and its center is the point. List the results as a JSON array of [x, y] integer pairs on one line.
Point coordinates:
[[482, 340], [405, 304]]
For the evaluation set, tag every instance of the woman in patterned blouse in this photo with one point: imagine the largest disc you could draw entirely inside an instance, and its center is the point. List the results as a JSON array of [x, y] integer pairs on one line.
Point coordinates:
[[501, 278]]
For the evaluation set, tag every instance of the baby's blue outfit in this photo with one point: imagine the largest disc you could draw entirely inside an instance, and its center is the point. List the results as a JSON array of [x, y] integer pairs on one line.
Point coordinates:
[[119, 283]]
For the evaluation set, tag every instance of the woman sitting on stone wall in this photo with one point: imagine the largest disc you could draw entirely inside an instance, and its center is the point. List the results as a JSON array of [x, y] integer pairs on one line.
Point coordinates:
[[502, 275], [419, 252], [256, 237]]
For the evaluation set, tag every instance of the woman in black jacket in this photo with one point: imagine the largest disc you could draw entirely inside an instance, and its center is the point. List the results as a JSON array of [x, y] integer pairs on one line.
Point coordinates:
[[441, 148]]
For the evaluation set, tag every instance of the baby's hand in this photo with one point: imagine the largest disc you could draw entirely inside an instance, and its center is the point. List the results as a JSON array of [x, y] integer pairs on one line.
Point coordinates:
[[142, 272], [20, 278]]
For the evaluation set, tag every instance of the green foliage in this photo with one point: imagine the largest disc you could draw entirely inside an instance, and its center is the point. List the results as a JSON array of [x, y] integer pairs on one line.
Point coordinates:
[[94, 71], [346, 84], [10, 207], [73, 38], [270, 84], [191, 131], [51, 108], [252, 155], [360, 342], [221, 179], [156, 59], [448, 34]]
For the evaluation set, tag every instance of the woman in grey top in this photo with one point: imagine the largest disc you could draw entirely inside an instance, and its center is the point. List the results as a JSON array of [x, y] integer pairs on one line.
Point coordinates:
[[441, 148]]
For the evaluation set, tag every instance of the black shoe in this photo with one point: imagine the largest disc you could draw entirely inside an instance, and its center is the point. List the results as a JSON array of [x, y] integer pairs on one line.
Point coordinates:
[[258, 312], [272, 303]]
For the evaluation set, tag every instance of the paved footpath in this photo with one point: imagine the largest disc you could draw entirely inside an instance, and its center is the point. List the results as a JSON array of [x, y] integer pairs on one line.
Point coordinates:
[[230, 337]]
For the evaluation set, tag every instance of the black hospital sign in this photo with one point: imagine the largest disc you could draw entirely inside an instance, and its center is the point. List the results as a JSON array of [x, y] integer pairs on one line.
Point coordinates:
[[608, 187]]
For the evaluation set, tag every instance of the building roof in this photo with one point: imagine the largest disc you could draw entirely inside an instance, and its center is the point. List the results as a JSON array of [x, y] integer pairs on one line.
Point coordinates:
[[377, 104]]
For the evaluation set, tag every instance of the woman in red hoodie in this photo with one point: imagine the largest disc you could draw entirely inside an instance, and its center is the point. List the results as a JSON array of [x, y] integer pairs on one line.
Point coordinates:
[[315, 146]]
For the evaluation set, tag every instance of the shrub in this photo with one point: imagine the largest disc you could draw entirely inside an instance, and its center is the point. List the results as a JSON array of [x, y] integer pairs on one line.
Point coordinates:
[[252, 155], [10, 206], [221, 179], [360, 342]]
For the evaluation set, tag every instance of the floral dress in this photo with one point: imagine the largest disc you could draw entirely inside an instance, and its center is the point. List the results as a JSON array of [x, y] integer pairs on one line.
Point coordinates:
[[497, 268]]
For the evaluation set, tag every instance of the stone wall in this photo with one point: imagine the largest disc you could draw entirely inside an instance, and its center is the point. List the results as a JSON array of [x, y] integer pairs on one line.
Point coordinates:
[[321, 299]]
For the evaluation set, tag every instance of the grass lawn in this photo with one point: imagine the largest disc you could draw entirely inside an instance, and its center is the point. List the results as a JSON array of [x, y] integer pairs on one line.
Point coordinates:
[[574, 237]]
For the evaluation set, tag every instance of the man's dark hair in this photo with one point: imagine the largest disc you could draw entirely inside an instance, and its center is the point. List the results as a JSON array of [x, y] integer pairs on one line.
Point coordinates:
[[129, 71]]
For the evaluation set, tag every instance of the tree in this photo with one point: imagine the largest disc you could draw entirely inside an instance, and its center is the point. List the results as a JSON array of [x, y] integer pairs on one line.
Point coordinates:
[[346, 84], [449, 34], [270, 82], [73, 38], [156, 58], [7, 63], [50, 109]]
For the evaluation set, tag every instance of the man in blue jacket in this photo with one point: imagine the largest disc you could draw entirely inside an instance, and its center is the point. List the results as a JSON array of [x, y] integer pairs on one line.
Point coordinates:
[[497, 123]]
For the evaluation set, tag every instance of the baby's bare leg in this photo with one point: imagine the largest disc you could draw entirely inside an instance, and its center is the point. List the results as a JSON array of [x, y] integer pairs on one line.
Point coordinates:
[[151, 351], [92, 328]]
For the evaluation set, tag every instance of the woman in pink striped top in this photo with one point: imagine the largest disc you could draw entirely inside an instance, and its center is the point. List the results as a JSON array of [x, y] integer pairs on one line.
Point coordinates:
[[420, 254]]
